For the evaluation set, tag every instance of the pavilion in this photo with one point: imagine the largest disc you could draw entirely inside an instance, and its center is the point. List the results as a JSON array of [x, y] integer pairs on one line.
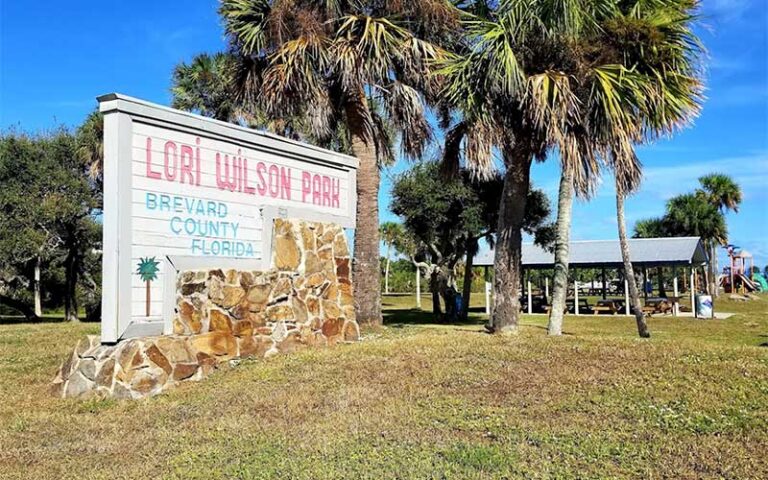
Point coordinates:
[[680, 253]]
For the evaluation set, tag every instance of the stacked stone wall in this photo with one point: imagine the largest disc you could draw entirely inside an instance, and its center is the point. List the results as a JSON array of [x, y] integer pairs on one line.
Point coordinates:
[[306, 300]]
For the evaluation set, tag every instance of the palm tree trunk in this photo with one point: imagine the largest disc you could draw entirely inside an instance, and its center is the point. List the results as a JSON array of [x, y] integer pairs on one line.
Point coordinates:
[[365, 266], [507, 261], [148, 301], [642, 326], [37, 293], [467, 289], [562, 240]]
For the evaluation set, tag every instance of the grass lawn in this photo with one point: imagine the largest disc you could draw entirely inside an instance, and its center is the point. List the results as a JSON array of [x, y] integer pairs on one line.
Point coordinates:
[[418, 400]]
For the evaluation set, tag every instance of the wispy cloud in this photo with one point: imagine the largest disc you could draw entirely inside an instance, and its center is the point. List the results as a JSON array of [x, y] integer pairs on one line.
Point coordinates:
[[728, 10], [736, 95], [751, 172]]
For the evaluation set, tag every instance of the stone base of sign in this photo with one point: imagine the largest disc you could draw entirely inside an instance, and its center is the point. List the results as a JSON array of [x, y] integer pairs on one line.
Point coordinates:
[[305, 301]]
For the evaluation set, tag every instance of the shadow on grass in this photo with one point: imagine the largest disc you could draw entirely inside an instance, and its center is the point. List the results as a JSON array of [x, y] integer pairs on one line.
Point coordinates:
[[46, 318], [413, 316], [19, 319]]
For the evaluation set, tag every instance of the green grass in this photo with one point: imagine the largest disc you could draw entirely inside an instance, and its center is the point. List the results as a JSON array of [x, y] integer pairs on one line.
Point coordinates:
[[418, 400]]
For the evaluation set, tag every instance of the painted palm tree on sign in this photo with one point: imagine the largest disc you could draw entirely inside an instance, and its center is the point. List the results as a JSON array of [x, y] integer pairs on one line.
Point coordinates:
[[147, 270]]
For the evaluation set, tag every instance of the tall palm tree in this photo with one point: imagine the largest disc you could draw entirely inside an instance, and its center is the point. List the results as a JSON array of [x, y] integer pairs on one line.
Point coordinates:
[[650, 228], [629, 272], [328, 62], [204, 86], [390, 233], [90, 146], [692, 215], [724, 193], [581, 76]]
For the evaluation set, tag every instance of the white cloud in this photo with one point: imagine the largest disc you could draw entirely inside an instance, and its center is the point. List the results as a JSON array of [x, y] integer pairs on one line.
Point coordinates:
[[750, 172]]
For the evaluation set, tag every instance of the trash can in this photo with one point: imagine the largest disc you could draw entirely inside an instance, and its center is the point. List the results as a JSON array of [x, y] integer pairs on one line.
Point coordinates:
[[459, 302], [704, 306]]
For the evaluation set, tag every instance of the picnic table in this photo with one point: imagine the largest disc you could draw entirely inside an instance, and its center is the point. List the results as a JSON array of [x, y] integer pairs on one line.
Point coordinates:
[[657, 305], [570, 306], [584, 306], [607, 306]]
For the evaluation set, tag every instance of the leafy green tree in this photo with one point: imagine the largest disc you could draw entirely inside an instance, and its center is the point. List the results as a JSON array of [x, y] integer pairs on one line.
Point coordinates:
[[444, 215], [46, 199], [328, 62]]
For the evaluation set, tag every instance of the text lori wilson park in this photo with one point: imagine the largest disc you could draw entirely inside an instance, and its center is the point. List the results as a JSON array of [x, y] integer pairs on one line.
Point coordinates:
[[182, 163]]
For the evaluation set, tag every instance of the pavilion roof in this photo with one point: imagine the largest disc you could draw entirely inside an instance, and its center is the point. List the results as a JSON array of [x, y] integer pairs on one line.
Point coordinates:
[[648, 252]]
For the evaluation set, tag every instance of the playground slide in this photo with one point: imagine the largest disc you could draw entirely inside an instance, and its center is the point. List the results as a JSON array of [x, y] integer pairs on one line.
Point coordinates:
[[760, 280], [751, 286]]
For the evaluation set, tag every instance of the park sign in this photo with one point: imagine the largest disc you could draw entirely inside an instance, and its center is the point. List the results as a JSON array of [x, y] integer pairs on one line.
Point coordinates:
[[183, 191]]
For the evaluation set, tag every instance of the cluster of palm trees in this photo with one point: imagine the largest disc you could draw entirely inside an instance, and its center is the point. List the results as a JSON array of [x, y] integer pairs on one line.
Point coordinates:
[[699, 214], [509, 83]]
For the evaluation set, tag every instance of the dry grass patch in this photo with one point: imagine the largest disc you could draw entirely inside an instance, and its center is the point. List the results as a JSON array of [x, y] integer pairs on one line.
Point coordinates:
[[417, 401]]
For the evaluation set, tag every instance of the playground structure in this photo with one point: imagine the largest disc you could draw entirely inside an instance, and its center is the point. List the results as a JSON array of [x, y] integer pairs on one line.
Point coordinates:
[[740, 276]]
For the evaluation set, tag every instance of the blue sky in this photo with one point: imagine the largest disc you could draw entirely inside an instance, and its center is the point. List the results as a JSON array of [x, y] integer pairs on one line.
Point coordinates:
[[56, 57]]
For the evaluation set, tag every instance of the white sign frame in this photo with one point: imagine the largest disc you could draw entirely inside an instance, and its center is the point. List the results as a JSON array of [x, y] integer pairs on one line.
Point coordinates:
[[122, 115]]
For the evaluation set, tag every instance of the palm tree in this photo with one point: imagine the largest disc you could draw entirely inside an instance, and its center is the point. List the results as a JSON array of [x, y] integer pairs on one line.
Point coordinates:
[[725, 194], [147, 270], [692, 215], [650, 228], [90, 146], [204, 86], [562, 246], [328, 62], [629, 272], [585, 77], [390, 232]]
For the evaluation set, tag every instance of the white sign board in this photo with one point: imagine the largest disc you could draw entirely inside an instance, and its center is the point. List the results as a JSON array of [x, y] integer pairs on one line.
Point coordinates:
[[184, 189]]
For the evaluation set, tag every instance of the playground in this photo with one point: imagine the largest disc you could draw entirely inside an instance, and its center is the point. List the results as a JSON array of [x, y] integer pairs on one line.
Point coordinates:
[[741, 276]]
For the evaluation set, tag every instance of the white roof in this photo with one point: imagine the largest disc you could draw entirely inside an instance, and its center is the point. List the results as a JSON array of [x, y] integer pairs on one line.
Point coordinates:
[[607, 253]]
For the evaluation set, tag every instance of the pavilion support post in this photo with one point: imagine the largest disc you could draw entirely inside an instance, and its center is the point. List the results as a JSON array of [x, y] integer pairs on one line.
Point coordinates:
[[645, 283], [546, 288], [487, 293], [676, 304], [604, 290], [530, 298], [693, 292], [576, 296], [626, 295]]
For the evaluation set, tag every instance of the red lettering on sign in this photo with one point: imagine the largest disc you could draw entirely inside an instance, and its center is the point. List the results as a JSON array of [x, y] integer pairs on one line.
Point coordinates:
[[150, 172]]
